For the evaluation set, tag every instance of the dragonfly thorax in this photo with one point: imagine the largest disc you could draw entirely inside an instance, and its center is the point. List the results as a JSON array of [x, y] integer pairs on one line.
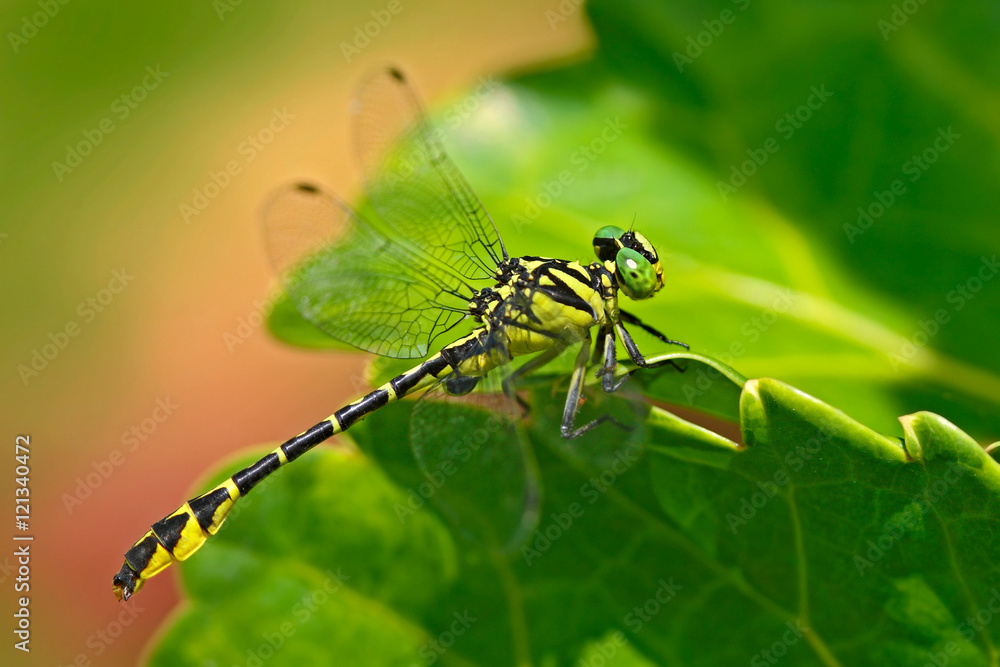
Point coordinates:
[[538, 303]]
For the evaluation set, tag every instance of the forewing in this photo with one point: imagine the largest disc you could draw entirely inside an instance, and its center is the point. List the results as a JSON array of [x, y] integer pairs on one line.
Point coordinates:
[[355, 283], [413, 185]]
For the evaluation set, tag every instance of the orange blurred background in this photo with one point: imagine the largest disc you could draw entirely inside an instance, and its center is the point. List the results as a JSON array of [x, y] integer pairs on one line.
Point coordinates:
[[152, 391]]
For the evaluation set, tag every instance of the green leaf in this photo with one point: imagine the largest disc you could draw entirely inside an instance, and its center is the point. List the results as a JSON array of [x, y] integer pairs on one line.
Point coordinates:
[[674, 546], [707, 383]]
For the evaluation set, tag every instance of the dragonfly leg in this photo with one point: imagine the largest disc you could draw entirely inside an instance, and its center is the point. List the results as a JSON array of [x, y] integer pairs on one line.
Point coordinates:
[[606, 372], [632, 319], [569, 428], [636, 356]]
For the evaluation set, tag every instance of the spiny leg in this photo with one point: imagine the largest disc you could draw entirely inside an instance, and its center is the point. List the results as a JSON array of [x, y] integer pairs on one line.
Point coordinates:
[[607, 370], [568, 428], [610, 362], [636, 356], [632, 319]]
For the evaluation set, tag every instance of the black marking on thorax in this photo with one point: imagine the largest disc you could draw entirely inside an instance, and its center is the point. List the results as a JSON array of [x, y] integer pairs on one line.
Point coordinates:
[[508, 303], [559, 274]]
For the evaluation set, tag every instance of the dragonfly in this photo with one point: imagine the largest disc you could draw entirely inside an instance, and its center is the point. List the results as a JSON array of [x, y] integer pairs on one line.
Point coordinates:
[[427, 259]]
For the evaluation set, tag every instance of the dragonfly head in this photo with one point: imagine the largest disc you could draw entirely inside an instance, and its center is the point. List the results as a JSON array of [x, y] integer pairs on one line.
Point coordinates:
[[631, 258]]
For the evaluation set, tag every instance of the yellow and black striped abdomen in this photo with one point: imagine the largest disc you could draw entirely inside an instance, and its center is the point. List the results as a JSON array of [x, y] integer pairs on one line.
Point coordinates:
[[179, 534]]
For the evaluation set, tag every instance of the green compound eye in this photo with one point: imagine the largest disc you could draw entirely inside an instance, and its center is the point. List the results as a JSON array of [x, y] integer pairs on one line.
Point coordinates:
[[606, 242], [636, 275], [609, 232]]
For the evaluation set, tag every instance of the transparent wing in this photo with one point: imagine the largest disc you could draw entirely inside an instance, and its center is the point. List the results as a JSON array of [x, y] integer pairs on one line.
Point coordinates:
[[355, 283], [413, 185], [473, 450]]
